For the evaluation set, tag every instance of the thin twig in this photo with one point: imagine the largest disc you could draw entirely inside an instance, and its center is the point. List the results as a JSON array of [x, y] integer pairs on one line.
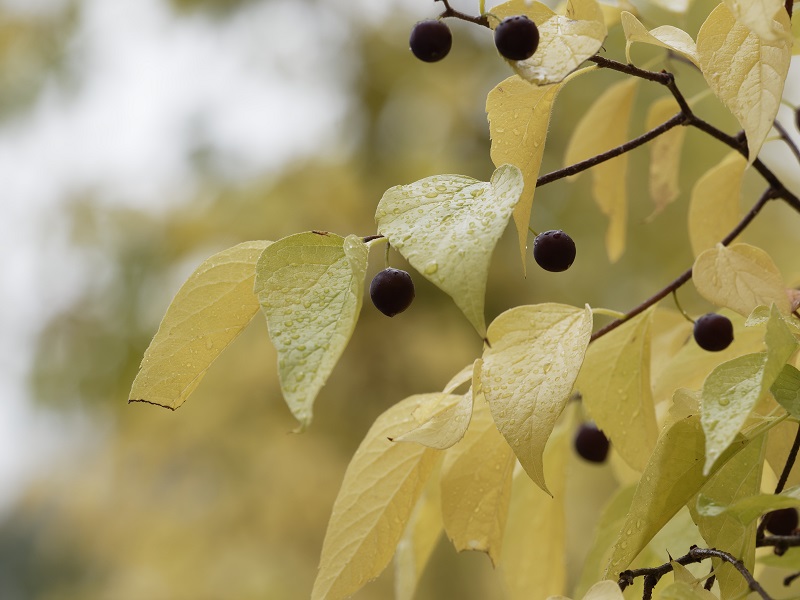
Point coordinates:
[[687, 275], [449, 11], [789, 141], [703, 553]]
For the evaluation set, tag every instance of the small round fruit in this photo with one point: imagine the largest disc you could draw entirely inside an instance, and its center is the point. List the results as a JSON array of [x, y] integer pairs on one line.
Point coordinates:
[[516, 38], [430, 40], [591, 444], [554, 250], [781, 522], [713, 332], [392, 291]]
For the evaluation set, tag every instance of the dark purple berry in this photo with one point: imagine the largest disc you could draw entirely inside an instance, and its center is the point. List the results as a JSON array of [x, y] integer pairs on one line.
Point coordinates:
[[516, 38], [430, 40], [554, 250], [713, 332], [781, 522], [591, 444], [392, 291]]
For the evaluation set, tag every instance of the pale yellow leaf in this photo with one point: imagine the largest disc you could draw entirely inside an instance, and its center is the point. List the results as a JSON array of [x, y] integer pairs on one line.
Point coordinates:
[[419, 541], [602, 590], [602, 127], [758, 16], [615, 384], [310, 286], [459, 379], [670, 331], [534, 515], [519, 115], [673, 475], [714, 206], [739, 277], [665, 36], [676, 6], [746, 72], [476, 486], [681, 590], [780, 440], [379, 492], [209, 311], [796, 36], [447, 226], [665, 155], [564, 43], [528, 373], [441, 425]]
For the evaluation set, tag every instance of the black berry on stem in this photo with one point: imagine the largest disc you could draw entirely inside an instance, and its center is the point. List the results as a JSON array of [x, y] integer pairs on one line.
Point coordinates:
[[781, 522], [516, 38], [392, 291], [713, 332], [591, 444], [554, 250], [430, 40]]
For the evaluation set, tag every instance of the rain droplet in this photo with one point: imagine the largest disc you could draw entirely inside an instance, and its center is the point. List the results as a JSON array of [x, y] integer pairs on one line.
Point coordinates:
[[431, 268]]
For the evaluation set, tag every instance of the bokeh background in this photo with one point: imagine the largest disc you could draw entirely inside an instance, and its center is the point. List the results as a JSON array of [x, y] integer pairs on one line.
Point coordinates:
[[137, 137]]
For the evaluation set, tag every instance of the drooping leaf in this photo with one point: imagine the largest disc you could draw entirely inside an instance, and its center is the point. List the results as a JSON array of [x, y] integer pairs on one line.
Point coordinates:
[[615, 384], [419, 541], [757, 16], [740, 277], [564, 42], [665, 36], [779, 443], [748, 509], [209, 311], [680, 590], [441, 425], [786, 390], [476, 486], [310, 286], [602, 590], [665, 155], [447, 226], [528, 372], [534, 515], [714, 206], [732, 390], [379, 492], [602, 127], [673, 475], [738, 479], [519, 116], [459, 379], [747, 73]]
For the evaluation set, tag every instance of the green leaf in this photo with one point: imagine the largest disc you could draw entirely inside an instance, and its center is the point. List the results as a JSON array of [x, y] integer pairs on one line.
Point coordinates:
[[746, 72], [564, 42], [615, 384], [748, 509], [519, 115], [447, 226], [673, 475], [209, 311], [786, 390], [602, 127], [528, 372], [740, 277], [310, 286], [714, 206], [379, 492], [680, 590], [476, 486], [665, 155], [665, 36]]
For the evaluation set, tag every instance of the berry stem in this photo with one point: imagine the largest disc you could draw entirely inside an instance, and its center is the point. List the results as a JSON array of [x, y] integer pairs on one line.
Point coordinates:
[[386, 257], [680, 308], [449, 11], [532, 231]]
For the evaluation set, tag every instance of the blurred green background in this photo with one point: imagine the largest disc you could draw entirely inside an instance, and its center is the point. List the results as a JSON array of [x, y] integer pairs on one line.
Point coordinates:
[[137, 137]]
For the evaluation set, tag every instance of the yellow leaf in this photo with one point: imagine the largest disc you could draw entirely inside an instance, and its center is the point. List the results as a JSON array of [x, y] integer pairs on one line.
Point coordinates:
[[476, 486], [442, 425], [615, 384], [528, 373], [676, 6], [746, 72], [714, 207], [447, 226], [796, 36], [532, 570], [605, 126], [564, 43], [739, 277], [459, 379], [419, 541], [673, 475], [665, 155], [519, 115], [209, 311], [380, 489], [602, 590], [665, 36], [780, 440], [310, 287], [758, 16]]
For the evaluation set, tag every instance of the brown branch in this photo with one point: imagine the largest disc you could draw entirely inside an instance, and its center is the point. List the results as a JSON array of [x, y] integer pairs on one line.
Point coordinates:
[[703, 553], [451, 12], [789, 141], [686, 275]]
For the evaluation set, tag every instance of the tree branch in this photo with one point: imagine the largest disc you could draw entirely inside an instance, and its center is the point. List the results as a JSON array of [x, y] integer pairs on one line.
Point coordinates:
[[449, 11], [789, 141]]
